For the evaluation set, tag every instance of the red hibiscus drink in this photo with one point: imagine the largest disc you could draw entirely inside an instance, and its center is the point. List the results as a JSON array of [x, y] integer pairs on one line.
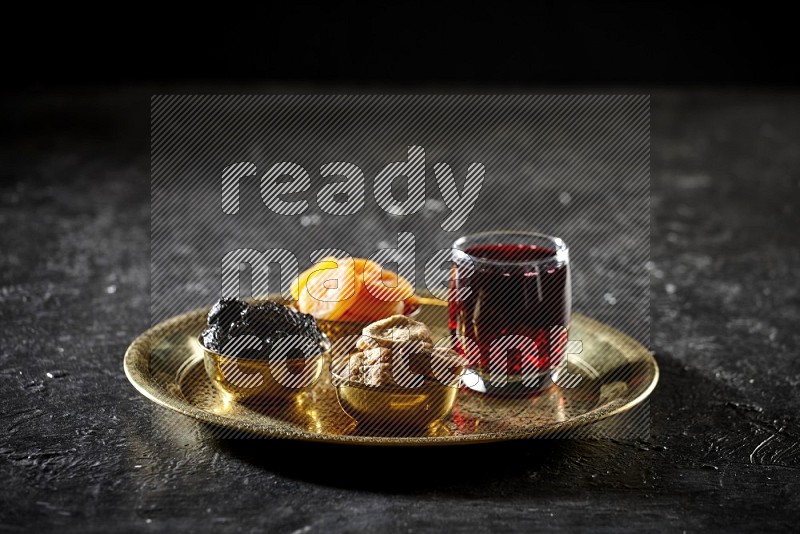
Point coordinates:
[[510, 304]]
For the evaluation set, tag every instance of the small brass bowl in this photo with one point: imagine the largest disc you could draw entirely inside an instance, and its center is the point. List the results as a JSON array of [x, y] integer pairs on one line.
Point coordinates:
[[245, 379], [395, 407]]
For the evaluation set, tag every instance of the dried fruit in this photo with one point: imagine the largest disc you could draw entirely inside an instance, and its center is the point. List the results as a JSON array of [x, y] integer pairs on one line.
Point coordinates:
[[270, 322], [212, 336], [395, 330], [226, 311], [383, 344], [352, 290]]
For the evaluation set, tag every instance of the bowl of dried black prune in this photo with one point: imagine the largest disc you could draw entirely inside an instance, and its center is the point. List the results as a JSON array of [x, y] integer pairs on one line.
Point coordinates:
[[264, 349]]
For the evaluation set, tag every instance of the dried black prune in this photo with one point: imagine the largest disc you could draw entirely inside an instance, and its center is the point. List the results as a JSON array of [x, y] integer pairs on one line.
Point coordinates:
[[226, 311], [212, 337], [239, 328], [271, 316], [308, 327], [269, 322]]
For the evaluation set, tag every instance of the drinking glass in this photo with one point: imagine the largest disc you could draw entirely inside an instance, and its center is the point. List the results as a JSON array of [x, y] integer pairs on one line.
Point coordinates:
[[509, 308]]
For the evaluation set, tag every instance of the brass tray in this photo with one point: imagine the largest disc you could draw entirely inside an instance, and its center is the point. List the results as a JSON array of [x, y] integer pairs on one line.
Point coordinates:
[[165, 364]]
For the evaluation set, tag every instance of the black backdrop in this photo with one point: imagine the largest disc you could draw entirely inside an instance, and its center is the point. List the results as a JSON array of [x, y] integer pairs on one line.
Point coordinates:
[[613, 43]]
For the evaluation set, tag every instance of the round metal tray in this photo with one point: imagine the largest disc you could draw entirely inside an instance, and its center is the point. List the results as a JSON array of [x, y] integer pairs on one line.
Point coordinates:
[[165, 364]]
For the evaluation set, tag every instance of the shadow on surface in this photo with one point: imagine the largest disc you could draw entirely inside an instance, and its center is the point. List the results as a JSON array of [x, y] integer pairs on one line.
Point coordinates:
[[412, 470]]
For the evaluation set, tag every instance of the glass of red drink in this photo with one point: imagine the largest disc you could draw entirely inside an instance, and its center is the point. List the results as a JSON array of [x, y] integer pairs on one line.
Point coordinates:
[[510, 304]]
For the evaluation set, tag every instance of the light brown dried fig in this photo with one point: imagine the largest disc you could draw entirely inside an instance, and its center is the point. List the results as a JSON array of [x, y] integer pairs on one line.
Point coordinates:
[[393, 331]]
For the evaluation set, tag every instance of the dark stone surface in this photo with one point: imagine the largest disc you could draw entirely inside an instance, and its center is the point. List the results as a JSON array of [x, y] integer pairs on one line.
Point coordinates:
[[80, 450]]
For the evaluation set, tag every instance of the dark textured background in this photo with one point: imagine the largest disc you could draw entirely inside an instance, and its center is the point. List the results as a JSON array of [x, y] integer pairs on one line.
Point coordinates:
[[575, 166], [406, 43], [81, 450]]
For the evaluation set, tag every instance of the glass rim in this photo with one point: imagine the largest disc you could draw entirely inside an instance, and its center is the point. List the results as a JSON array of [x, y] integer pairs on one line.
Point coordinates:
[[560, 250]]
